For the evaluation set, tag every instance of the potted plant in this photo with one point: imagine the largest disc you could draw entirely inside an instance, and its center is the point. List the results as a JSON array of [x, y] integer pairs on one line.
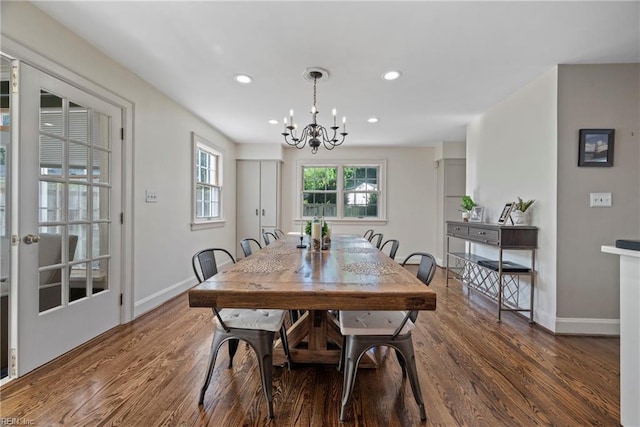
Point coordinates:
[[467, 205], [520, 212]]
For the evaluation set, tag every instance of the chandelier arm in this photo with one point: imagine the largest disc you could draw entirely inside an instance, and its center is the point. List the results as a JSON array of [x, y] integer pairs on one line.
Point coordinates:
[[295, 142]]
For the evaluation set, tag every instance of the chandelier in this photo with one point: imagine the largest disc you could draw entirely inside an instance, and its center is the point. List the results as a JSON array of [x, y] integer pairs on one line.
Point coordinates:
[[313, 133]]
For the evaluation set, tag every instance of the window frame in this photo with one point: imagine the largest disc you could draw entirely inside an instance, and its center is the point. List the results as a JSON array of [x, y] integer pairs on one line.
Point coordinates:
[[340, 165], [199, 143]]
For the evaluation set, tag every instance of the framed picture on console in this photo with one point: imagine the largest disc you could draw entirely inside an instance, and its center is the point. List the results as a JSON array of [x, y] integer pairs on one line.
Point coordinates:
[[506, 211], [476, 214], [596, 147]]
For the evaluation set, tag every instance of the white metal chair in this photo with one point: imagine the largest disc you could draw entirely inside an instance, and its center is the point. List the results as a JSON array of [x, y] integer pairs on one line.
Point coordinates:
[[255, 327], [363, 330]]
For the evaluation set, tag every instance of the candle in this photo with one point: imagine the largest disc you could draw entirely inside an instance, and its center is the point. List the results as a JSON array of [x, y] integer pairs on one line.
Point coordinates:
[[334, 117], [316, 231], [313, 109], [291, 116], [344, 124]]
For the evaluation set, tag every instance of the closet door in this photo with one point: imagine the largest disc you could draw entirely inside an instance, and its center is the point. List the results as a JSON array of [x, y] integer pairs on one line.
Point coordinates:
[[248, 210], [269, 195]]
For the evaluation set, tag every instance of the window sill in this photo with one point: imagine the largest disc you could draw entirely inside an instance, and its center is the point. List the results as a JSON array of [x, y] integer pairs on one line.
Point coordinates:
[[350, 221], [195, 226]]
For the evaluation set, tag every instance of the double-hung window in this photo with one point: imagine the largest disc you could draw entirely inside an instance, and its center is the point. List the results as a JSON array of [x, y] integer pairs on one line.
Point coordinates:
[[347, 190], [207, 182]]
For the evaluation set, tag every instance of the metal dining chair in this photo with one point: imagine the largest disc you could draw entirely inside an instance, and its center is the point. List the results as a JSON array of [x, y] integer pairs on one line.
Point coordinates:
[[376, 239], [279, 233], [367, 234], [254, 326], [245, 244], [393, 247], [268, 237], [363, 330]]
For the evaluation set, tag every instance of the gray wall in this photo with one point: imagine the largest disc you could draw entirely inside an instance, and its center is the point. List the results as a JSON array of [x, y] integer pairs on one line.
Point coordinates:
[[595, 96]]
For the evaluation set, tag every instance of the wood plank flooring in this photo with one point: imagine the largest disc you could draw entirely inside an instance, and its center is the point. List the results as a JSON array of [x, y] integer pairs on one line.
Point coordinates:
[[473, 372]]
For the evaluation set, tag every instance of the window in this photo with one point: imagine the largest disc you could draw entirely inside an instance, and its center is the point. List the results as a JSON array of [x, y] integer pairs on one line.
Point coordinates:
[[320, 194], [361, 191], [346, 190], [207, 182]]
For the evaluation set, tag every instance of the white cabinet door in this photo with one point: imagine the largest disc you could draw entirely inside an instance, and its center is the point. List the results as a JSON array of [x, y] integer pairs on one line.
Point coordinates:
[[269, 194], [248, 201]]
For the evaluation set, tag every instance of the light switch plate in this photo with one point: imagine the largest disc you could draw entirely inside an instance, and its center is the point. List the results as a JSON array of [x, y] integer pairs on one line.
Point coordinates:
[[600, 200], [151, 196]]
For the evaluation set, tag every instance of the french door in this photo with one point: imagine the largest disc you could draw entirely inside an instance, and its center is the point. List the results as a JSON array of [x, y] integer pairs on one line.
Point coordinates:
[[69, 217]]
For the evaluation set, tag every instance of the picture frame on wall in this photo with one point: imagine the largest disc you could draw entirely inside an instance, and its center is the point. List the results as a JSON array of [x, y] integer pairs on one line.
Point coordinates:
[[506, 211], [595, 147], [476, 214]]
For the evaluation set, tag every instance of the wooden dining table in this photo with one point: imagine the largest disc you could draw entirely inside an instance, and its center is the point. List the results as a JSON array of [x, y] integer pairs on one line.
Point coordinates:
[[351, 275]]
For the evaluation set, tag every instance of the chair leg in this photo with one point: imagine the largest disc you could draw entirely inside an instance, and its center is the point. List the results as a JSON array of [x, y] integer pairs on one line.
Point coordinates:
[[405, 347], [401, 362], [352, 354], [218, 339], [233, 348], [263, 346], [342, 352]]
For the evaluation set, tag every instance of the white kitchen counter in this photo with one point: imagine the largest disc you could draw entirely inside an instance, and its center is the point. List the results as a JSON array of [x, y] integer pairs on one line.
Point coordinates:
[[629, 334]]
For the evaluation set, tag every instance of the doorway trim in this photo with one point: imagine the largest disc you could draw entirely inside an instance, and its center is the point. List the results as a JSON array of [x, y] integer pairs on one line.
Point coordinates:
[[16, 50]]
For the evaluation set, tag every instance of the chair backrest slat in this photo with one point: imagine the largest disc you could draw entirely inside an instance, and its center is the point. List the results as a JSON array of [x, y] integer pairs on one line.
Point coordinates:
[[245, 244], [393, 244], [376, 239], [268, 237], [367, 234]]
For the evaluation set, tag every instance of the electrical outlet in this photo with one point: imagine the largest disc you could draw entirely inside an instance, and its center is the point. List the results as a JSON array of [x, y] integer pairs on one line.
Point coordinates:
[[151, 196], [600, 200]]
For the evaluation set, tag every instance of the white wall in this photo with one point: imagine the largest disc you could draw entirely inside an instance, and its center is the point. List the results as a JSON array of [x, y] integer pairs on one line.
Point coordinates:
[[163, 241], [411, 192], [511, 152], [603, 96]]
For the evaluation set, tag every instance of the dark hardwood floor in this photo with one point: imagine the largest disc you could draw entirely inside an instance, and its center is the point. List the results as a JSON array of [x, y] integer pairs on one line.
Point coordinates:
[[473, 371]]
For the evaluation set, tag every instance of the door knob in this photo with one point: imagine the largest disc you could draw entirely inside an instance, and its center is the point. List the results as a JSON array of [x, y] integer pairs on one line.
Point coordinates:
[[31, 238]]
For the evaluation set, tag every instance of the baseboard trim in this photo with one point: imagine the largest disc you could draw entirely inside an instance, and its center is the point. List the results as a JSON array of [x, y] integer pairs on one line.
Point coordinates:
[[577, 326], [156, 300]]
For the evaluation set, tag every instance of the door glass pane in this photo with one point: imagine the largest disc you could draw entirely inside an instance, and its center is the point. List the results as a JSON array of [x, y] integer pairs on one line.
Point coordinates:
[[81, 233], [78, 281], [78, 202], [100, 239], [50, 289], [100, 131], [100, 203], [100, 276], [78, 122], [78, 162], [51, 113], [100, 166], [51, 154], [51, 201]]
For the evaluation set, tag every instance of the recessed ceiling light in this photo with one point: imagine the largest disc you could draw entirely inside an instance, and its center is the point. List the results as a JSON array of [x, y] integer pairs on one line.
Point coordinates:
[[273, 122], [243, 78], [391, 75], [372, 120]]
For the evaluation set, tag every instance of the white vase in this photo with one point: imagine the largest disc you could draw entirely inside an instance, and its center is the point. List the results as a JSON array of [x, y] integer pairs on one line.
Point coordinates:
[[466, 216], [520, 218]]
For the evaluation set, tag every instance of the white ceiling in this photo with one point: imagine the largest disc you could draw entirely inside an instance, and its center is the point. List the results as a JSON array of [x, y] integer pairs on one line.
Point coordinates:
[[458, 59]]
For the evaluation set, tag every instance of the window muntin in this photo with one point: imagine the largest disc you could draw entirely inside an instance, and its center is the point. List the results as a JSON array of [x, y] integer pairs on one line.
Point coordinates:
[[207, 181]]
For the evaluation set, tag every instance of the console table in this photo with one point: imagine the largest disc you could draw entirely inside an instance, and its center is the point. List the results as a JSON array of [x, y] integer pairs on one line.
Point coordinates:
[[497, 279]]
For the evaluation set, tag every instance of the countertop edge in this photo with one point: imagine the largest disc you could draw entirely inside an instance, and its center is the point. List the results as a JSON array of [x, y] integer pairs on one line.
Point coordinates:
[[620, 251]]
